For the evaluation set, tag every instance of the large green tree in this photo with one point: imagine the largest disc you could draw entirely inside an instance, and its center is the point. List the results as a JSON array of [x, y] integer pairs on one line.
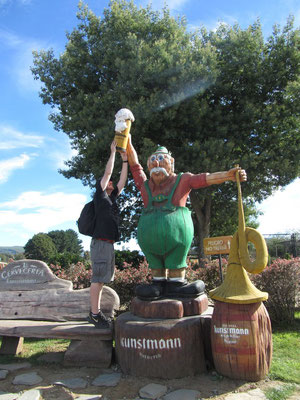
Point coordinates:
[[67, 241], [215, 99], [40, 247]]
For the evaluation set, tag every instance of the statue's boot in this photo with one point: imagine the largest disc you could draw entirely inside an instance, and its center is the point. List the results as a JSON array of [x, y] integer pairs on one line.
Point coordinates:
[[184, 289], [153, 291]]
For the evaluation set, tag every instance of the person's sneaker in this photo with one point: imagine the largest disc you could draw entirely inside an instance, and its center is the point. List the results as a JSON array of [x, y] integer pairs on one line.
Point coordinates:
[[100, 320]]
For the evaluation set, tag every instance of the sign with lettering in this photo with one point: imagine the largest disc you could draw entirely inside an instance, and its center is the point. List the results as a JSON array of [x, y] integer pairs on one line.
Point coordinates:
[[146, 344], [29, 275], [230, 333], [217, 245]]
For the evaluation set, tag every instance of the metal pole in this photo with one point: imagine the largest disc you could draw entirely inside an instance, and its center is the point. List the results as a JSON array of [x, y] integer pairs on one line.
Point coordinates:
[[220, 265]]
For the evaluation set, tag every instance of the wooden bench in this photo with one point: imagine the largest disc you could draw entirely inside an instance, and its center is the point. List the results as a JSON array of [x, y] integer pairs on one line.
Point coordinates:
[[35, 303]]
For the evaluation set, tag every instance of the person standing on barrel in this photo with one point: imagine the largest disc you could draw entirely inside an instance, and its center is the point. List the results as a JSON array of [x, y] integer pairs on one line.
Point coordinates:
[[106, 233], [165, 228]]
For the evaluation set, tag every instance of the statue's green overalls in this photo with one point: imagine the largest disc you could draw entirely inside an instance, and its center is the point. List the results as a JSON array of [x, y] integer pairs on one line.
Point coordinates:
[[165, 232]]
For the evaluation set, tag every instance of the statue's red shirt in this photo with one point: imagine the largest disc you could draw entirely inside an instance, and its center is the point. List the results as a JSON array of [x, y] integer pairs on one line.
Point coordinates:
[[187, 182]]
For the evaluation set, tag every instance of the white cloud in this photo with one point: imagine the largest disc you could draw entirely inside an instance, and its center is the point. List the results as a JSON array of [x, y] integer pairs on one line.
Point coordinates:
[[11, 138], [8, 166], [281, 211], [35, 212]]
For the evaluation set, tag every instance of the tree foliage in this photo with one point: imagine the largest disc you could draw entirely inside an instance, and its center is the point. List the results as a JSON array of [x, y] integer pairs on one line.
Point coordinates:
[[40, 247], [215, 99], [62, 247], [66, 241]]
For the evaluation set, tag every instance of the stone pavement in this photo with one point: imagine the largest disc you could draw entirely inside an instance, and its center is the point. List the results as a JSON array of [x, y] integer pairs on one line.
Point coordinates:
[[109, 378]]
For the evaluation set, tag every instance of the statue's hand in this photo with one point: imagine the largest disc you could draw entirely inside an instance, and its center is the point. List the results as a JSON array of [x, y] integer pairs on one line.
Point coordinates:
[[242, 174]]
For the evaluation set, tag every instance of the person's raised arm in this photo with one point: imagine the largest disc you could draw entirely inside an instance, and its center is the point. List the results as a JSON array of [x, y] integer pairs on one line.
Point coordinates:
[[124, 172], [220, 177], [109, 166]]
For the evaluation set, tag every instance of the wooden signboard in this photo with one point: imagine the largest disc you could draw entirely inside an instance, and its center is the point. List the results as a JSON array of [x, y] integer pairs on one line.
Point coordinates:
[[217, 245]]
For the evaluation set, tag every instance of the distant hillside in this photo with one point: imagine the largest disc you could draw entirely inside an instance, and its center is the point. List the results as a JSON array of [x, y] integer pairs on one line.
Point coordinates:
[[13, 250]]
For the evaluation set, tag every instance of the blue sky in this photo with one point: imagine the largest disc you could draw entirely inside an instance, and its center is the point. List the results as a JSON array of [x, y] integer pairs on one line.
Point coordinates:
[[34, 196]]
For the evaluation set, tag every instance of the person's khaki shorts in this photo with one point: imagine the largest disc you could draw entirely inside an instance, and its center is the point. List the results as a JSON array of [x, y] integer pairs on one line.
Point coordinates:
[[103, 261]]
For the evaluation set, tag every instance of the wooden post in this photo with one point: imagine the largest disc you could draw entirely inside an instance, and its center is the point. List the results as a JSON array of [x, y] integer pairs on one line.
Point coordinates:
[[11, 345]]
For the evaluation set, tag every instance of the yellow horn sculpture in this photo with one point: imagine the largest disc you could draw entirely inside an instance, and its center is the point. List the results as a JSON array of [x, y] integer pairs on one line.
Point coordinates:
[[237, 287]]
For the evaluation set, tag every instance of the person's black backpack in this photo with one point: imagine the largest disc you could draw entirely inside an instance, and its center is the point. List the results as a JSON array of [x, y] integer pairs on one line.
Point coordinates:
[[87, 219]]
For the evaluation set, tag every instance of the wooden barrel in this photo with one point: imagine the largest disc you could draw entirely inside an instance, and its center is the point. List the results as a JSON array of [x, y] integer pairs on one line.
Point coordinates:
[[241, 339], [159, 348]]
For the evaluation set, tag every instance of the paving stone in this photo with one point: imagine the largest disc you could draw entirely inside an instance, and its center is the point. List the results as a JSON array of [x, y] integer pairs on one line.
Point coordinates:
[[89, 397], [152, 391], [239, 396], [107, 379], [30, 395], [9, 396], [3, 374], [72, 383], [183, 394], [15, 366], [32, 378], [255, 394]]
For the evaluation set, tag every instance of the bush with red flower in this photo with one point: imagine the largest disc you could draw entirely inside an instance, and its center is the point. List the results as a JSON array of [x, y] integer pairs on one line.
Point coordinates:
[[282, 281]]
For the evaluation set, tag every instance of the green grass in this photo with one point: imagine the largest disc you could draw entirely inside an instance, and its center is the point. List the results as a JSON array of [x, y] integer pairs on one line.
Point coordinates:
[[280, 393], [286, 353], [34, 348]]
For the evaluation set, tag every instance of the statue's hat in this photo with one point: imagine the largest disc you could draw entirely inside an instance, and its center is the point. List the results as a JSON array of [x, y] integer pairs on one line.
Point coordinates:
[[161, 150]]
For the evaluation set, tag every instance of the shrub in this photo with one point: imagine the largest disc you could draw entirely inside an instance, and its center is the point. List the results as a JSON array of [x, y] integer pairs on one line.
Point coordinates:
[[78, 273], [66, 259], [126, 280], [282, 281], [209, 274], [125, 257], [59, 271]]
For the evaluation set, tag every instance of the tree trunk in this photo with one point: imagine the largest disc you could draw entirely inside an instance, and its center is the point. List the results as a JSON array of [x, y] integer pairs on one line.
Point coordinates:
[[202, 208]]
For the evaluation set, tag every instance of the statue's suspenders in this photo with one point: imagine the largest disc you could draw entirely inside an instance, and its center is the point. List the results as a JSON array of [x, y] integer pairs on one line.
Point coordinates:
[[161, 197]]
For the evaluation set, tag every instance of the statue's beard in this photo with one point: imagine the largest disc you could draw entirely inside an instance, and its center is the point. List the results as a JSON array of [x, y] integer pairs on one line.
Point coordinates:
[[158, 169]]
